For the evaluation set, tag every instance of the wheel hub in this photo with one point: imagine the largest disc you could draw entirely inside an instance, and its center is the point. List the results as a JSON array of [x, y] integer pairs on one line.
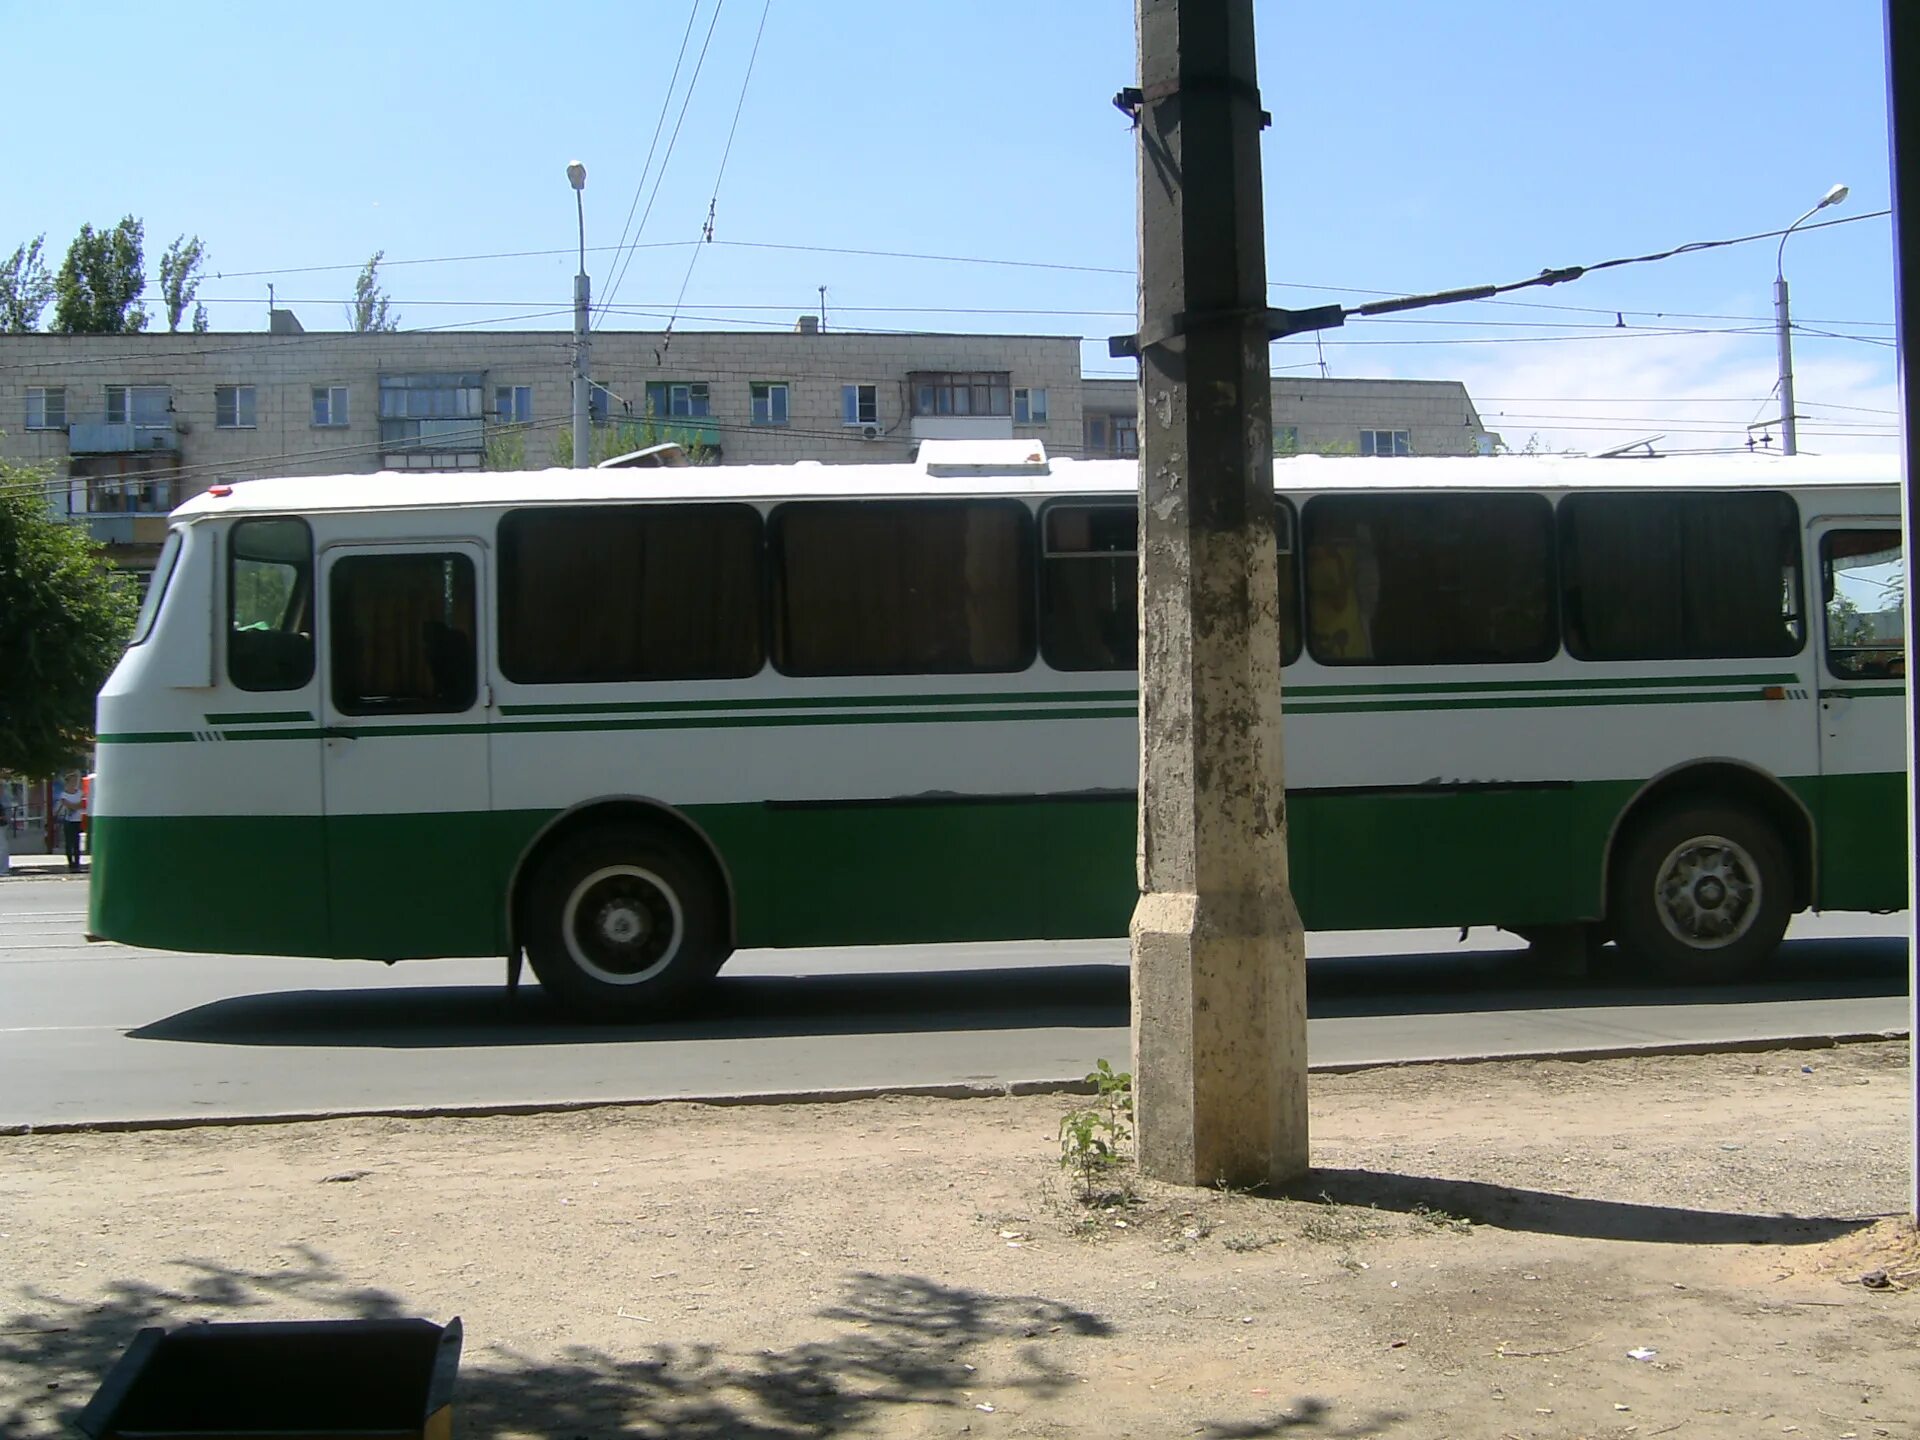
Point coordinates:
[[1708, 892], [623, 924]]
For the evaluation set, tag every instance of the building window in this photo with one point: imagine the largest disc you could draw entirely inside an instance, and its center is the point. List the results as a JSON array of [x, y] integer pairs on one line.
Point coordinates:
[[47, 408], [139, 404], [962, 392], [1097, 431], [678, 400], [233, 407], [859, 404], [1680, 577], [330, 406], [1430, 579], [1385, 442], [513, 404], [435, 411], [599, 404], [1029, 406], [868, 587], [402, 634], [604, 593], [769, 399], [1126, 437]]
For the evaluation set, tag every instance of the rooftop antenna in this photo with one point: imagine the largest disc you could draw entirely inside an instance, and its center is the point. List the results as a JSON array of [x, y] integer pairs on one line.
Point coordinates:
[[823, 309]]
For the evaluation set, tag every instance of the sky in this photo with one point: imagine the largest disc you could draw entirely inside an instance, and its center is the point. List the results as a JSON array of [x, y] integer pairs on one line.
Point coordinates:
[[1415, 146]]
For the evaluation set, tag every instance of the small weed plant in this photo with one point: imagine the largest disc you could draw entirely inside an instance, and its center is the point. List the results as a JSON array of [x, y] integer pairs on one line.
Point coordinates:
[[1095, 1138]]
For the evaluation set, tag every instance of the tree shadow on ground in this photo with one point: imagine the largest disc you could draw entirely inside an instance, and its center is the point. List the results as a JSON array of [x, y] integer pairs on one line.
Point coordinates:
[[894, 1344], [1511, 1207]]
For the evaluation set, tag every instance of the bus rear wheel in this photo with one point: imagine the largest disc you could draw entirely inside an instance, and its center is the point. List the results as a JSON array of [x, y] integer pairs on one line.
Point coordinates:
[[1701, 893], [622, 924]]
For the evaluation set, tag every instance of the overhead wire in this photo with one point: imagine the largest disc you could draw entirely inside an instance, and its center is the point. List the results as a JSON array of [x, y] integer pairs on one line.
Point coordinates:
[[673, 140], [726, 154]]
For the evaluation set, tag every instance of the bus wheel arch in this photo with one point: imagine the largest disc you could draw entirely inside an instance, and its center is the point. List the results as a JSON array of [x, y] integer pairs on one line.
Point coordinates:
[[1704, 872], [1723, 782], [650, 848]]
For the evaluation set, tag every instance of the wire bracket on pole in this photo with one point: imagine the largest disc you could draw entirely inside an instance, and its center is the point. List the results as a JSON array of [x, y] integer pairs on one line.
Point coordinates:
[[1280, 324]]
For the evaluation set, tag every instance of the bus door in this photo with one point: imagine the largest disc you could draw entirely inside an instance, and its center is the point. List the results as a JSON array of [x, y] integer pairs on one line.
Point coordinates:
[[1862, 679], [406, 767]]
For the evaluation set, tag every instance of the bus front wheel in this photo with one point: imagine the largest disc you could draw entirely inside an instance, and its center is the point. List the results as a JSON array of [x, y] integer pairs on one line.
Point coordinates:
[[622, 925], [1701, 893]]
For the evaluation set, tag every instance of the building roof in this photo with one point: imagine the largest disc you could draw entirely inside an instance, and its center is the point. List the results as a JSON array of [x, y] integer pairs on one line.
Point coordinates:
[[931, 477]]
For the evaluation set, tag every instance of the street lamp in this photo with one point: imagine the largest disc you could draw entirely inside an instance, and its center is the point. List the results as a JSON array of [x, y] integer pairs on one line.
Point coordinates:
[[1787, 436], [582, 288]]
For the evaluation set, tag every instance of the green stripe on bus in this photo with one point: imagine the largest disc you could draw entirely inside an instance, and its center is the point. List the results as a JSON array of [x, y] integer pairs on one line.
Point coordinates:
[[264, 717], [814, 701], [1837, 692], [1518, 702], [1645, 682]]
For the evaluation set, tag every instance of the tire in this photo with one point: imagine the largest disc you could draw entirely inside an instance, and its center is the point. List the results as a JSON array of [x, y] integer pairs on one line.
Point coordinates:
[[623, 923], [1701, 893]]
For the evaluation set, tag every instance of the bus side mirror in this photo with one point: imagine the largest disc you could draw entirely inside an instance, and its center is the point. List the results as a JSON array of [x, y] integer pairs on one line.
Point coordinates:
[[180, 650]]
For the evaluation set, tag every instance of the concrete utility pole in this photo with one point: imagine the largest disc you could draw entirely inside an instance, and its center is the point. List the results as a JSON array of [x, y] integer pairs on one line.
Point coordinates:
[[582, 289], [1783, 327], [1219, 965], [1903, 96]]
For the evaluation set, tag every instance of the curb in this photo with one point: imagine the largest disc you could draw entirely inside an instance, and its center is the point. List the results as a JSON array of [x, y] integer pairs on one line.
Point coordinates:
[[930, 1091]]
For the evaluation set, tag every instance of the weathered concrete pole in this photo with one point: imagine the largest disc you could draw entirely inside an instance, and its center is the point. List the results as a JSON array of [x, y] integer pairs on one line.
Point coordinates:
[[1903, 96], [1219, 970]]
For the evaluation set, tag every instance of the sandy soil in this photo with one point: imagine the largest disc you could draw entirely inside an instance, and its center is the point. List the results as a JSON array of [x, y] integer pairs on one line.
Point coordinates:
[[1479, 1252]]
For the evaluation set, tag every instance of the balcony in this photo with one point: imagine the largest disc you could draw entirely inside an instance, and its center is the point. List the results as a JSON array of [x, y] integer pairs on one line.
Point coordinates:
[[120, 437], [125, 527]]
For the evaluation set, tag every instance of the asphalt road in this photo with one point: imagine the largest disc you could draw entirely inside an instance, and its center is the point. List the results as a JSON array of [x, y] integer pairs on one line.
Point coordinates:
[[102, 1033]]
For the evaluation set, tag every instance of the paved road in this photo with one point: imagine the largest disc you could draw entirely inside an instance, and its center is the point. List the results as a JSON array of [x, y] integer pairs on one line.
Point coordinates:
[[92, 1033]]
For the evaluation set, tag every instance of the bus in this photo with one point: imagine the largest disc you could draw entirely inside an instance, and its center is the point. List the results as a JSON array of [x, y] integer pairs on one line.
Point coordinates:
[[622, 722]]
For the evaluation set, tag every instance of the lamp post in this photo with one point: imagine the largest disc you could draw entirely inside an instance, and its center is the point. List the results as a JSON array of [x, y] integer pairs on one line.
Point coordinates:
[[1788, 438], [582, 288]]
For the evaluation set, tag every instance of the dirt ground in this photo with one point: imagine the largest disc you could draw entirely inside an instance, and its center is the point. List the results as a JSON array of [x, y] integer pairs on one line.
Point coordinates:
[[1478, 1254]]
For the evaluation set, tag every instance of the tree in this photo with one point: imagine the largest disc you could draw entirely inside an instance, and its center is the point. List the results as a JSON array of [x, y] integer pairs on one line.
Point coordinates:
[[371, 311], [97, 291], [607, 441], [180, 277], [65, 614], [26, 288]]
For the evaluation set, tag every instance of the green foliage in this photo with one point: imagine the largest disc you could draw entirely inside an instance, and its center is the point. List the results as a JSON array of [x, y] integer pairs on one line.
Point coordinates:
[[26, 289], [180, 277], [507, 447], [65, 614], [1093, 1138], [1288, 445], [608, 441], [97, 291], [371, 312]]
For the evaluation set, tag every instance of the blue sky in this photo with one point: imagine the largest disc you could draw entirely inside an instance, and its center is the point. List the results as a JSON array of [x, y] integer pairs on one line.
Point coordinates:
[[1415, 146]]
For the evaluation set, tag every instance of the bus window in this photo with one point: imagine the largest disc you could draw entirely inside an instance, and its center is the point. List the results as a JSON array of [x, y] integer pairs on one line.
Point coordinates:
[[156, 588], [1430, 579], [1089, 587], [1681, 577], [871, 587], [630, 592], [402, 634], [1866, 598], [270, 605]]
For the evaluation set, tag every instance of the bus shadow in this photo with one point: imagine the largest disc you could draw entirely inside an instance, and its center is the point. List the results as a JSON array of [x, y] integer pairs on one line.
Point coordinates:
[[1080, 996]]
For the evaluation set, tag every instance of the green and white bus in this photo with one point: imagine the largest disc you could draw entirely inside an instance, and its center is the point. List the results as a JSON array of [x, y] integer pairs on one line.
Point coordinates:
[[625, 721]]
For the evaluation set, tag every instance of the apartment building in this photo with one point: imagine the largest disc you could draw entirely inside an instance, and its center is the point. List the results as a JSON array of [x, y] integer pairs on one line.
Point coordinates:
[[131, 425], [1312, 416]]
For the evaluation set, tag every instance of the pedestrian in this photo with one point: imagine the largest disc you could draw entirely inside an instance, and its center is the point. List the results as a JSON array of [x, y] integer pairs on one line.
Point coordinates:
[[70, 810]]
